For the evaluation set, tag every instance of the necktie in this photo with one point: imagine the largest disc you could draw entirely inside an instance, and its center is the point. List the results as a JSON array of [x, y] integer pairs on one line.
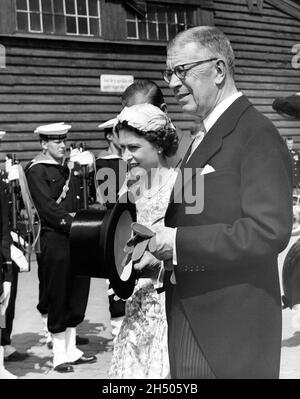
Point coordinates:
[[196, 141]]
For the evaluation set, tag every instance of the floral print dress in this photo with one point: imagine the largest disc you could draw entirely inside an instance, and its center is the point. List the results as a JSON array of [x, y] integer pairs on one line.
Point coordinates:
[[141, 347]]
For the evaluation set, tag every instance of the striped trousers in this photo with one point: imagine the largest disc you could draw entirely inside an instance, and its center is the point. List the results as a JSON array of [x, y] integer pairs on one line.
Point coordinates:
[[186, 358]]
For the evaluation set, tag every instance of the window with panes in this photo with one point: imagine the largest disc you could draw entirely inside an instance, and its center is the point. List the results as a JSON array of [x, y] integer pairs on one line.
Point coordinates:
[[60, 17], [161, 22]]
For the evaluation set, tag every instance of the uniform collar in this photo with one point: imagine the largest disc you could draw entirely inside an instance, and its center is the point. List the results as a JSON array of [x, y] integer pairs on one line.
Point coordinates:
[[44, 159]]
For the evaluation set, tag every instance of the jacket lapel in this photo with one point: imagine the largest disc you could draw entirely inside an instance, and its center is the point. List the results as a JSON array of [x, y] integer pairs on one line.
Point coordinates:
[[211, 143]]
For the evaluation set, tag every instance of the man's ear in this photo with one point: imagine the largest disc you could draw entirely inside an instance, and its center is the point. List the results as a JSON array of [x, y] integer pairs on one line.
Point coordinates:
[[109, 136], [221, 71], [44, 144]]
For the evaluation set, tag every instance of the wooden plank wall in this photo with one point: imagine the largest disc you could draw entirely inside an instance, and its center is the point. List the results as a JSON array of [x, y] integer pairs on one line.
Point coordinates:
[[263, 45], [50, 81]]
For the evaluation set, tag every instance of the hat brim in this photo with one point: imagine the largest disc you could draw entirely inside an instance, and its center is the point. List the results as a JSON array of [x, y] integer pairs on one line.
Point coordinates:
[[108, 124], [53, 129], [53, 136], [288, 106]]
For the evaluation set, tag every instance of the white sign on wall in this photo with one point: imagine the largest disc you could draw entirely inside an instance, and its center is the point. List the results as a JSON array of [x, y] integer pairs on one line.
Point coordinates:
[[115, 83]]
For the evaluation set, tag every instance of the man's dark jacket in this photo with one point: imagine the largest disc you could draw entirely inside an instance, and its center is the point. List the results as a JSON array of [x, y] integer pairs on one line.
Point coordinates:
[[5, 239], [232, 299]]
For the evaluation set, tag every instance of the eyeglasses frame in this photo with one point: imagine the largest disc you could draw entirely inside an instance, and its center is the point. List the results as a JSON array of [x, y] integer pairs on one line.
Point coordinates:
[[175, 70]]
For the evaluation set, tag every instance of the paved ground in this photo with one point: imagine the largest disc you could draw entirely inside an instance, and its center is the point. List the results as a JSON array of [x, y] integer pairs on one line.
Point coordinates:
[[290, 348], [28, 335]]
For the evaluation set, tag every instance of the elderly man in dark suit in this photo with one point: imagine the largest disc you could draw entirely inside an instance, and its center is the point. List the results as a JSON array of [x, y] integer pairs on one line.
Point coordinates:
[[223, 299]]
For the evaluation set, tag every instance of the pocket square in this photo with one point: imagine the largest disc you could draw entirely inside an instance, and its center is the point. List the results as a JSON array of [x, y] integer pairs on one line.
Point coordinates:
[[207, 169]]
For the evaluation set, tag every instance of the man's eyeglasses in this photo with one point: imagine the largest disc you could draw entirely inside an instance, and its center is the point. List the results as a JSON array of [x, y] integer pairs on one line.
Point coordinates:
[[181, 70]]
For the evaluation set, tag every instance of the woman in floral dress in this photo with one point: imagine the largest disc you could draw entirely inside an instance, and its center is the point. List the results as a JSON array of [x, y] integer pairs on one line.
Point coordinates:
[[147, 137]]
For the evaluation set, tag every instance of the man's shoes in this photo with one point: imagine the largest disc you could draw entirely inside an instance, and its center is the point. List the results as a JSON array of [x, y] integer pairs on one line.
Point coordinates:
[[82, 340], [64, 368], [79, 341], [85, 359]]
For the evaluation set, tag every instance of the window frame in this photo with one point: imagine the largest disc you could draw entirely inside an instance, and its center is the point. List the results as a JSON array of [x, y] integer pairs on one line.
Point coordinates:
[[76, 16], [111, 12], [167, 24]]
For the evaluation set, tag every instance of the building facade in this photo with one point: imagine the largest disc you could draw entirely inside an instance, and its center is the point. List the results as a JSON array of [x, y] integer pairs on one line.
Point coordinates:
[[68, 60]]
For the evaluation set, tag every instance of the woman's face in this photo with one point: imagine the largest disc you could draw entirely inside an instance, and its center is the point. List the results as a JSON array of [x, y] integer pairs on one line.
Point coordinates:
[[137, 151]]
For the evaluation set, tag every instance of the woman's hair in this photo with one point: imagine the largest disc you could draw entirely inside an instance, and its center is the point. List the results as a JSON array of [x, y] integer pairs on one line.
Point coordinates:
[[148, 88], [166, 138]]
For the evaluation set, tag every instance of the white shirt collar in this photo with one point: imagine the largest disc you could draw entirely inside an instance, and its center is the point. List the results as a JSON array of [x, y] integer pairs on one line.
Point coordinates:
[[212, 118]]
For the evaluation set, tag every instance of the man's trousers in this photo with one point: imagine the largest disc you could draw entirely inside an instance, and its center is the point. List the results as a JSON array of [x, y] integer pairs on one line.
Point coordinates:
[[63, 295]]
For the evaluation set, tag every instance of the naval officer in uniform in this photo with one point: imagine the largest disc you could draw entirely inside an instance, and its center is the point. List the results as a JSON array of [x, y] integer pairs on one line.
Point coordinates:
[[57, 195], [5, 267]]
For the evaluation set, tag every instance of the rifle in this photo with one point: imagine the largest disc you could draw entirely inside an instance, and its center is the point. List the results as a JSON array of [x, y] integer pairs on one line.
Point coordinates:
[[87, 178], [25, 220]]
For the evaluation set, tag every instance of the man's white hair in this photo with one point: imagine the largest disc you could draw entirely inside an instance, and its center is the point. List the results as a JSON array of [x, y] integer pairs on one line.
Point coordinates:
[[210, 38]]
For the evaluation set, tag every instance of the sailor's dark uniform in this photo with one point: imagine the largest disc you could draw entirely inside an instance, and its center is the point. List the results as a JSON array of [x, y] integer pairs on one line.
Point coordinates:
[[5, 240], [62, 294], [14, 270]]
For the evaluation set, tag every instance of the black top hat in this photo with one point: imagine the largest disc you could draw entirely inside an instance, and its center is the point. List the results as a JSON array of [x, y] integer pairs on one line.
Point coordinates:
[[288, 105], [97, 239]]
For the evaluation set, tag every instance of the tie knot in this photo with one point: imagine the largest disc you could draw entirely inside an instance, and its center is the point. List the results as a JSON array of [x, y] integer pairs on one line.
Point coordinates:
[[199, 135], [198, 130], [202, 127]]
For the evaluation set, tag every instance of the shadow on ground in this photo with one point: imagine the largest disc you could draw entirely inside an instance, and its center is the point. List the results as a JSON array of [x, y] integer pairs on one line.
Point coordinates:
[[40, 359], [100, 338], [39, 355]]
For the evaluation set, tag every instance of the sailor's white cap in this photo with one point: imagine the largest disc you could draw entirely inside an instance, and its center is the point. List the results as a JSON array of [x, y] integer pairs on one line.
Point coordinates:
[[53, 130]]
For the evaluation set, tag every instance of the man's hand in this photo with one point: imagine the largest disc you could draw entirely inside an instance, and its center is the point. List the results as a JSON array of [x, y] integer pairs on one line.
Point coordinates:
[[4, 298], [163, 242], [13, 173]]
